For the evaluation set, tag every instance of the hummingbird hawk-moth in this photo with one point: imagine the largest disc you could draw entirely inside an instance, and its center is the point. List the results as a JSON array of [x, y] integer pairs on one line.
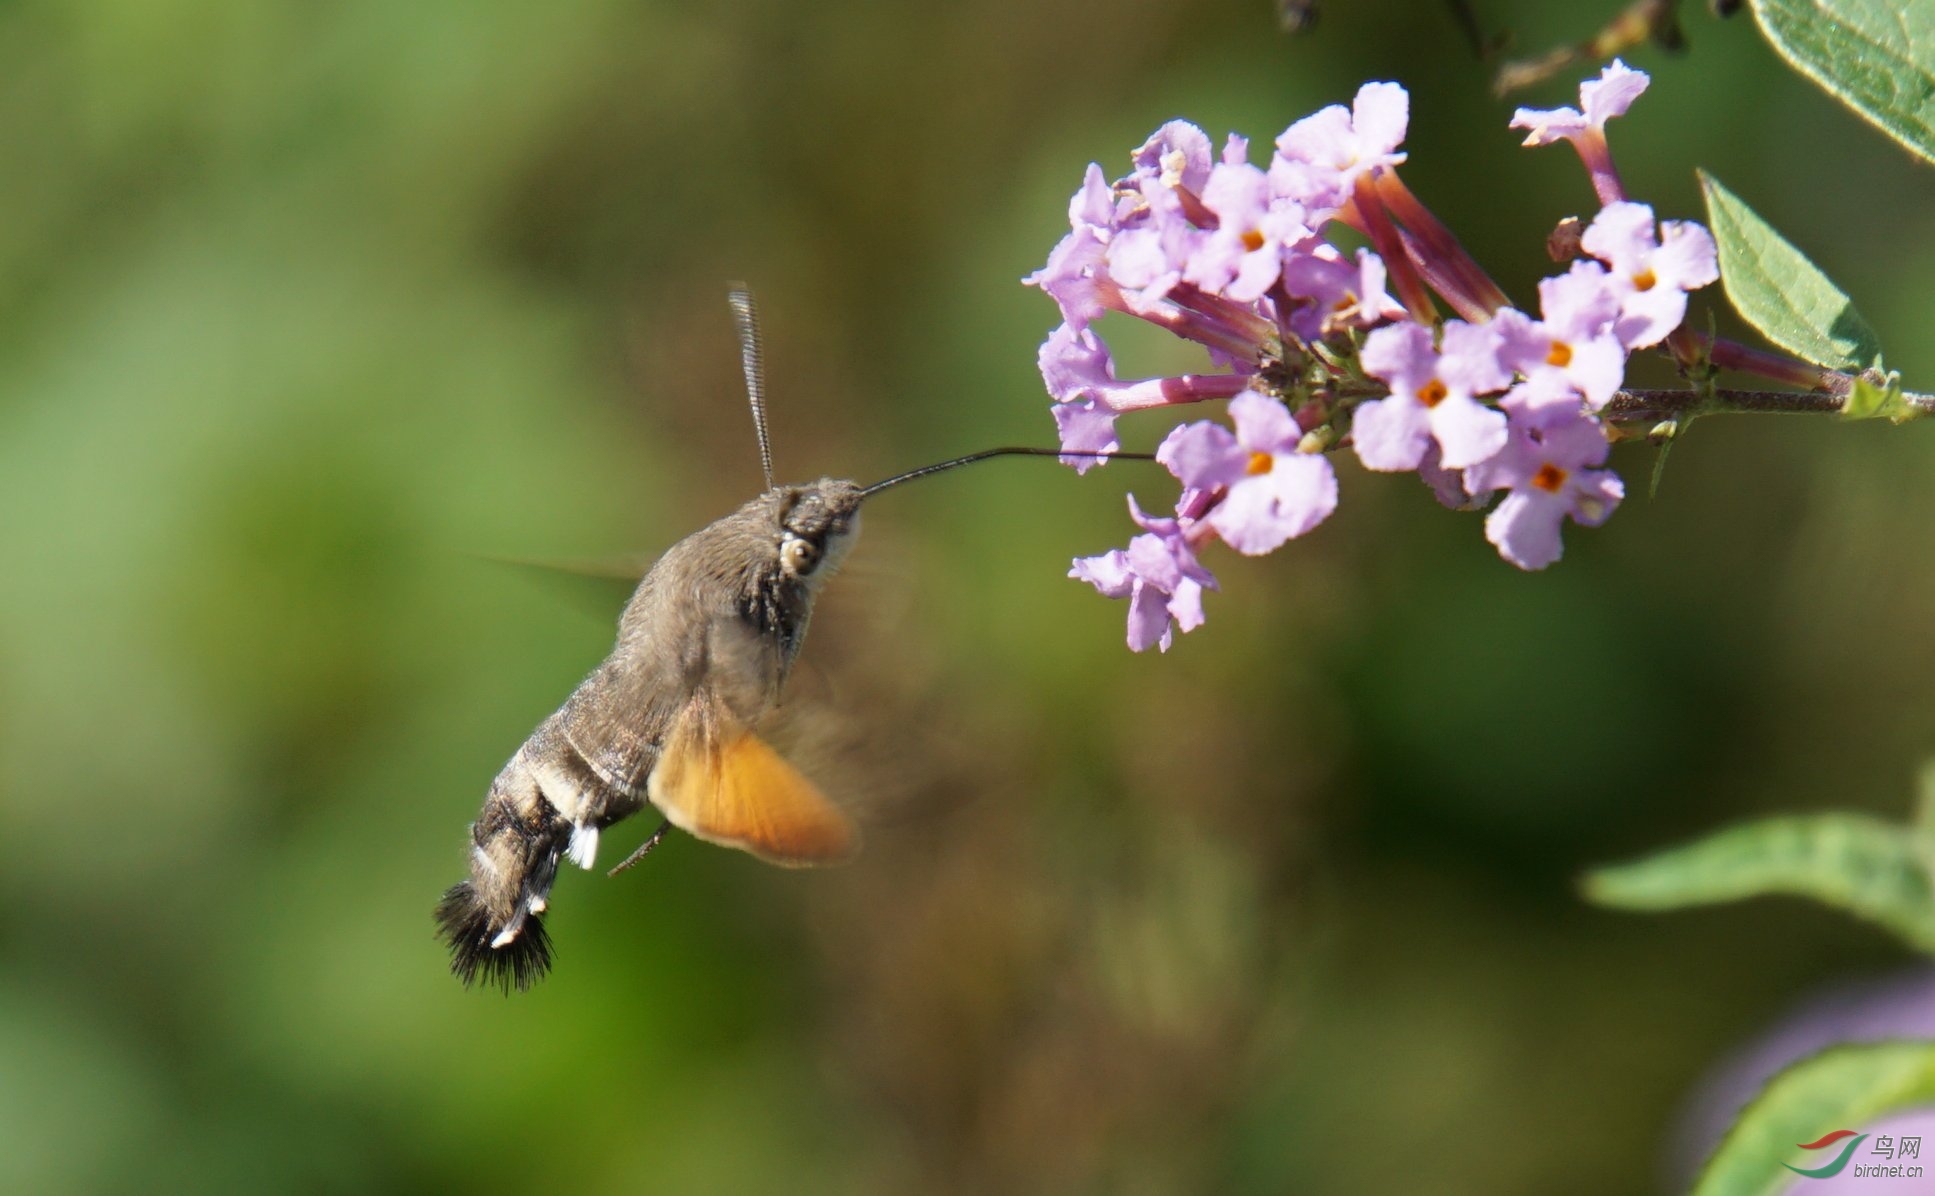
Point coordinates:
[[671, 716]]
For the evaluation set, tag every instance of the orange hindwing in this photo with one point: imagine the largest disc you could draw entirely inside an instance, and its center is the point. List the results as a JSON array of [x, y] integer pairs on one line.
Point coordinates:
[[718, 781]]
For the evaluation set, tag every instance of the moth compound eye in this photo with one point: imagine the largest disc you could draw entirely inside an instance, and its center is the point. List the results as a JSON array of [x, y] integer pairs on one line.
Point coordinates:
[[800, 557]]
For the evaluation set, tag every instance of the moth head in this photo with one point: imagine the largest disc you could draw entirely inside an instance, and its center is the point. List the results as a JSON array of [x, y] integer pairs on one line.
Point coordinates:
[[816, 525]]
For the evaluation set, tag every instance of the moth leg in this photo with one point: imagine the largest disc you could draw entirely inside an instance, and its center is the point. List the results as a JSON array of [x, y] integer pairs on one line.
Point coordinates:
[[644, 849]]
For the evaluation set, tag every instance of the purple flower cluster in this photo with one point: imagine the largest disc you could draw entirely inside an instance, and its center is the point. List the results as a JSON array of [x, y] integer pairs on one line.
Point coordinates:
[[1317, 348]]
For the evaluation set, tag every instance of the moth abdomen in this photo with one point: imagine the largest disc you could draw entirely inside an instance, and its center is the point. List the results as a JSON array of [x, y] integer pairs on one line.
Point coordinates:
[[547, 805]]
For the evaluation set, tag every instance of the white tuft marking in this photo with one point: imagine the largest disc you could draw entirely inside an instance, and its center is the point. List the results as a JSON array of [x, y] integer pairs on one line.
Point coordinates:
[[536, 904], [508, 935], [584, 846]]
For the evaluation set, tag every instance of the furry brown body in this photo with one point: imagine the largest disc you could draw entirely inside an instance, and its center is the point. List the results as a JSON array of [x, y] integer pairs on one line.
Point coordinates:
[[704, 646]]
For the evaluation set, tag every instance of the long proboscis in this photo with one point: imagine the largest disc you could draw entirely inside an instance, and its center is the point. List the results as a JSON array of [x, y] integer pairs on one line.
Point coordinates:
[[984, 454]]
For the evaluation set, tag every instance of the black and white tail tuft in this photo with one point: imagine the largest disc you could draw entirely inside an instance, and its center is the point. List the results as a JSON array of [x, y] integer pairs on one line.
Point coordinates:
[[467, 926], [493, 922]]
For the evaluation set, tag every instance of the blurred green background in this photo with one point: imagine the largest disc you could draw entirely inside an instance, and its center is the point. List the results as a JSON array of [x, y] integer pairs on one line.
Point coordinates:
[[310, 310]]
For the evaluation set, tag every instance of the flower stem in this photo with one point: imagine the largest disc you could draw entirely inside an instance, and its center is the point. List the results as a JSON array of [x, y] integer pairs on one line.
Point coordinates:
[[1652, 406], [1745, 359], [1478, 296], [1366, 213]]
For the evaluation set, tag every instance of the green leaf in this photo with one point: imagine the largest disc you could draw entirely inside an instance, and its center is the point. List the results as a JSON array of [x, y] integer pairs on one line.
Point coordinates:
[[1876, 56], [1780, 292], [1845, 1087], [1862, 865], [1883, 399]]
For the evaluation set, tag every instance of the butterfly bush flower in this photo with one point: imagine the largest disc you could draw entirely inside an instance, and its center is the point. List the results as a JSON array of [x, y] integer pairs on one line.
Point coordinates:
[[1264, 489], [1547, 467], [1600, 100], [1317, 349], [1332, 293], [1652, 272], [1320, 158], [1433, 396], [1573, 346], [1159, 576]]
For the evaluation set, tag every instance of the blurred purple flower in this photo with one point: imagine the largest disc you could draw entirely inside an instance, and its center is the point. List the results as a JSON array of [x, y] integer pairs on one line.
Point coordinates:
[[1271, 492], [1431, 396], [1897, 1007], [1158, 574]]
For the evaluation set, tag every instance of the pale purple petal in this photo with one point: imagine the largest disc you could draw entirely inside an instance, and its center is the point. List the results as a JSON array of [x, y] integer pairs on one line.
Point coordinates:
[[1140, 260], [1263, 425], [1579, 303], [1400, 354], [1170, 532], [1525, 529], [1186, 606], [1092, 207], [1598, 368], [1600, 100], [1612, 92], [1379, 116], [1203, 455], [1548, 125], [1069, 278], [1108, 572], [1447, 485], [1390, 434], [1176, 154], [1074, 362], [1596, 493], [1262, 511], [1320, 158], [1648, 316], [1085, 427], [1148, 619], [1687, 258], [1153, 559], [1622, 236], [1469, 363], [1467, 431]]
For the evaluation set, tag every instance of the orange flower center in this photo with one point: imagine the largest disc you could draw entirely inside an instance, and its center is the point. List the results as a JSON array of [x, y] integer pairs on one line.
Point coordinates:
[[1644, 280], [1550, 478], [1253, 240], [1432, 393], [1260, 463], [1561, 355]]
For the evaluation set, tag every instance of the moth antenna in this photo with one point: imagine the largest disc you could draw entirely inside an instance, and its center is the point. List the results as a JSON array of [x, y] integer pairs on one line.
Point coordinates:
[[984, 454], [745, 315]]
